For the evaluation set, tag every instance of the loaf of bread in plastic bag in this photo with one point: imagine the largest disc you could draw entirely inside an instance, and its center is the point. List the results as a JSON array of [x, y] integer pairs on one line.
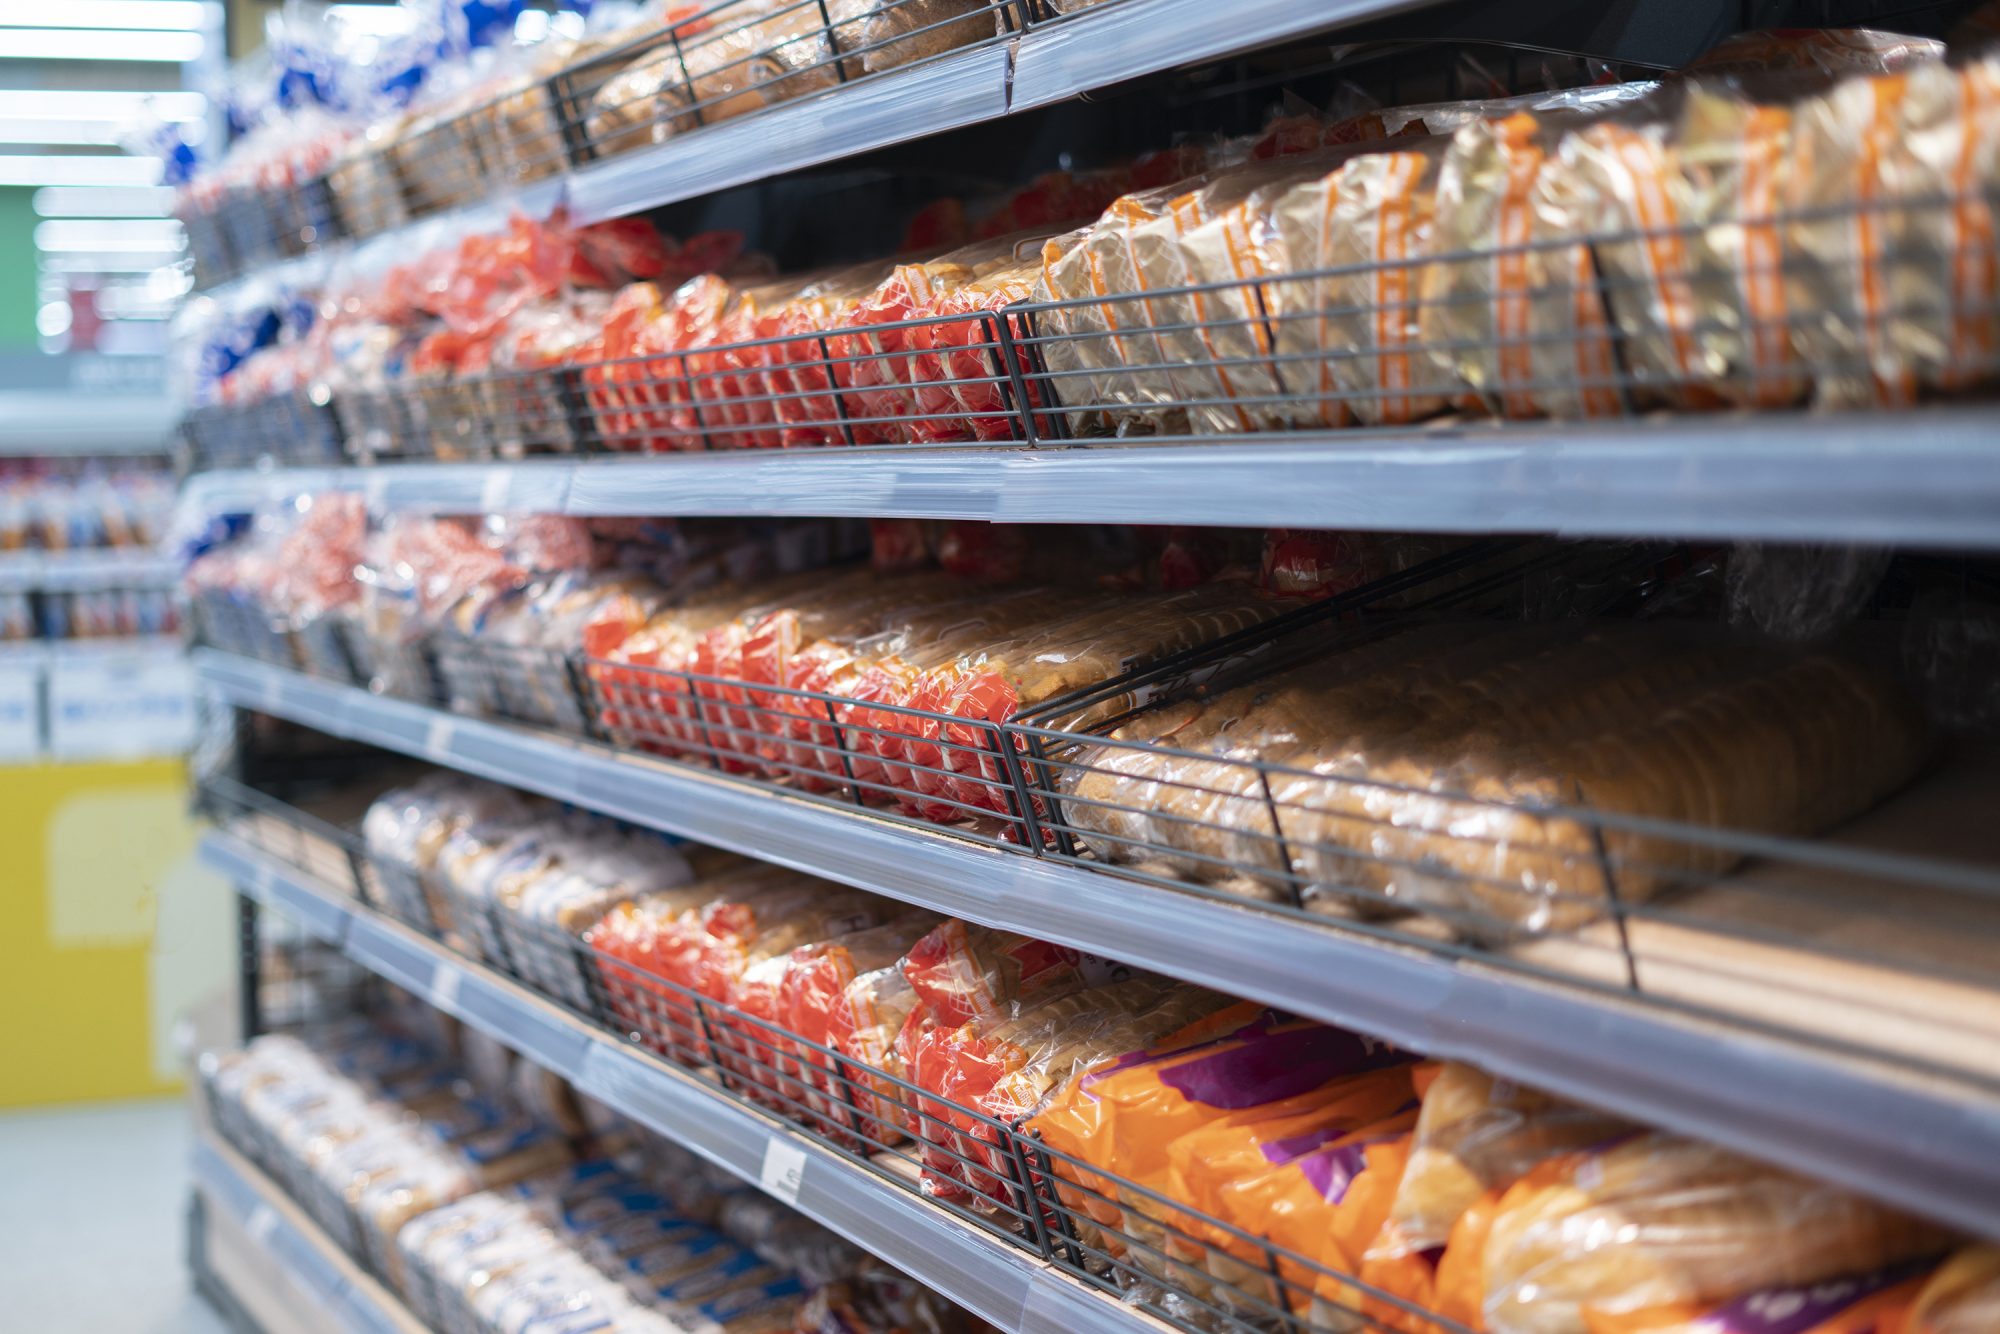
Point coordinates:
[[1658, 1219], [1440, 778]]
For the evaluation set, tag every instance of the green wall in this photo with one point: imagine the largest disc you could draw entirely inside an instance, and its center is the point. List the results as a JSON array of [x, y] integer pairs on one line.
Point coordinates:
[[18, 278]]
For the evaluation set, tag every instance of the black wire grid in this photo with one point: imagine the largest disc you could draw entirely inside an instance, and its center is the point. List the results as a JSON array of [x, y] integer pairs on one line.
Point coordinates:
[[1852, 306], [729, 59], [1196, 1272]]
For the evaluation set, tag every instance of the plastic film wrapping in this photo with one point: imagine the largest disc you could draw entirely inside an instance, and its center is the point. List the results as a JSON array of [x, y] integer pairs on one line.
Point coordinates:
[[746, 58], [1656, 1219], [1421, 781], [894, 33], [1962, 1297], [1351, 338], [1478, 1134], [1512, 306]]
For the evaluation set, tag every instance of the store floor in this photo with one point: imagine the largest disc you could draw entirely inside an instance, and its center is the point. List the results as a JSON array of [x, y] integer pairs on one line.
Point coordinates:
[[93, 1207]]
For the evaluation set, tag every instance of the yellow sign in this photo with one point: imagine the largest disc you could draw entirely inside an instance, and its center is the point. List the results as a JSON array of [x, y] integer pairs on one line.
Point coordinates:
[[108, 929]]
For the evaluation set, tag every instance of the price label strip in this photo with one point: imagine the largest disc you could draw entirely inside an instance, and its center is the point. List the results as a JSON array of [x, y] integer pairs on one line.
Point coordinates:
[[784, 1169]]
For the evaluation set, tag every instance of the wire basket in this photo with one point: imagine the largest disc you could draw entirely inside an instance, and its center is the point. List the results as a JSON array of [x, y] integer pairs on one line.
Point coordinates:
[[236, 625], [909, 763], [539, 686], [1575, 328], [1774, 933], [734, 59], [1196, 1272]]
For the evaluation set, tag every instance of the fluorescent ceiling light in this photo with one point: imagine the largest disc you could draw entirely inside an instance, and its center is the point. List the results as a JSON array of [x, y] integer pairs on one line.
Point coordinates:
[[176, 48], [35, 169], [110, 235], [184, 15], [103, 201], [119, 108], [103, 263], [29, 130]]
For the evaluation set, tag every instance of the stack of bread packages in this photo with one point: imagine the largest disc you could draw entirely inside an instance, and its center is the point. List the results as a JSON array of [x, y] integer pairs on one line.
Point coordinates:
[[1336, 1183], [1501, 778], [1800, 216], [890, 686], [686, 65]]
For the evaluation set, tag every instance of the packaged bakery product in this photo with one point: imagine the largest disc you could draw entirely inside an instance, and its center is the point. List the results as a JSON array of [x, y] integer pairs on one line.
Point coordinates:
[[1099, 358], [893, 33], [1511, 306], [1850, 1304], [806, 372], [747, 57], [992, 1073], [1655, 1220], [1233, 1170], [526, 142], [1946, 298], [1351, 336], [961, 379], [1849, 237], [1127, 1115], [1411, 771], [1961, 1297], [648, 951], [1478, 1134], [1828, 51], [1218, 245], [817, 995]]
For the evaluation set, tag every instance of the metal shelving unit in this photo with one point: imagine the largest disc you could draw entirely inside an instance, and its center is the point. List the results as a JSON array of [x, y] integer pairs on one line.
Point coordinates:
[[998, 1282], [305, 1263], [1854, 478], [1815, 1110], [1056, 62], [1922, 1138]]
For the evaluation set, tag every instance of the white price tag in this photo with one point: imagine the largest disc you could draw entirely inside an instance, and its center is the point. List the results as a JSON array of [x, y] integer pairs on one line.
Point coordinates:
[[437, 739], [444, 986], [784, 1169], [263, 1221], [493, 493]]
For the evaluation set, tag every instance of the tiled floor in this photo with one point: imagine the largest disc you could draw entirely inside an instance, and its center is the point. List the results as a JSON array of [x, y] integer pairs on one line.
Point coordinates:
[[93, 1204]]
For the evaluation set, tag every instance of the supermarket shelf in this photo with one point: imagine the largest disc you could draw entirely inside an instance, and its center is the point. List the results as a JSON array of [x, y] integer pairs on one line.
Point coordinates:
[[1003, 1285], [1929, 1145], [1851, 478], [1052, 63], [963, 88], [1139, 37], [81, 571], [82, 426], [489, 214], [301, 1255]]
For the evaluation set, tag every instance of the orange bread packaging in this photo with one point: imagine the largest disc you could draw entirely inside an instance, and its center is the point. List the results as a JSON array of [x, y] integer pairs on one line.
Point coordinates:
[[1240, 1081], [1657, 1223]]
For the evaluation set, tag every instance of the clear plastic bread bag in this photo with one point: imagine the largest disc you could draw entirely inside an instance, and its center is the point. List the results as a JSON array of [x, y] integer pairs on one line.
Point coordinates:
[[1349, 339], [1475, 1134], [1520, 323], [1655, 1219], [1962, 1297]]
